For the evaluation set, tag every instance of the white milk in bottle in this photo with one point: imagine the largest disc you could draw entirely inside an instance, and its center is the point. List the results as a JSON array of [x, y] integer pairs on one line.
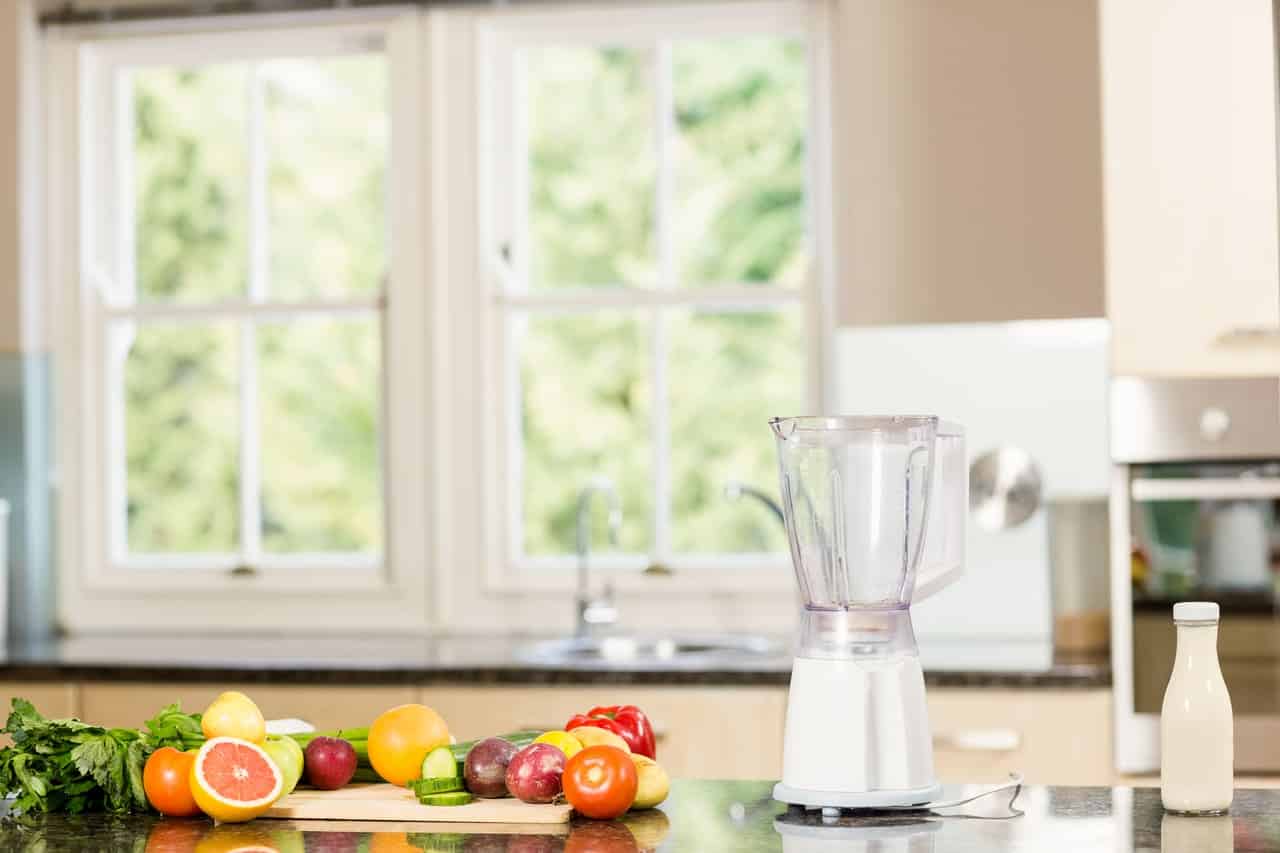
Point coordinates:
[[1196, 752]]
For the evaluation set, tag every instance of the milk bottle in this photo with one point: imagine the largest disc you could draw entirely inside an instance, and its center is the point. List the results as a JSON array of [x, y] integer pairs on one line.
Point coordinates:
[[1195, 721]]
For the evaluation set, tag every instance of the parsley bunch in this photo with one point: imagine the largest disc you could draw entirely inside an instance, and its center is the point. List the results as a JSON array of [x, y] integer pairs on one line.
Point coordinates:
[[72, 767]]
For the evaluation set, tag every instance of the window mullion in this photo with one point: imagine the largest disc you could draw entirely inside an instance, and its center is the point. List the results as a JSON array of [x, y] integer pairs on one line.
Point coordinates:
[[664, 129], [664, 156], [258, 239], [661, 439]]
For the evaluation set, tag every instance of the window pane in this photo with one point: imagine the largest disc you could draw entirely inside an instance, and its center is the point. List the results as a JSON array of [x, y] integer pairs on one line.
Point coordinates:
[[326, 144], [729, 373], [181, 437], [740, 151], [190, 180], [591, 164], [319, 392], [585, 410]]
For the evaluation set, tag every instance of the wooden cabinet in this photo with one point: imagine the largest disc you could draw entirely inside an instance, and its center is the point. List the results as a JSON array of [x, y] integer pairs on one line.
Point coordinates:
[[53, 699], [1051, 737], [981, 734], [129, 704], [967, 181], [1189, 171], [703, 732]]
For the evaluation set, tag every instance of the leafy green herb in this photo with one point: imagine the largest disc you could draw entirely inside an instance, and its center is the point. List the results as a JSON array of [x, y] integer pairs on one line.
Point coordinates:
[[73, 767]]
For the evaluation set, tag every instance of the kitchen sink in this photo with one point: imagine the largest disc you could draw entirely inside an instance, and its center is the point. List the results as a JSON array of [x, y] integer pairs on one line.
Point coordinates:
[[626, 648]]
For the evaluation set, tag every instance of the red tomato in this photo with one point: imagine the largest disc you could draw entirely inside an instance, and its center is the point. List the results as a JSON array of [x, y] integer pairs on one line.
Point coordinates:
[[600, 782], [165, 778]]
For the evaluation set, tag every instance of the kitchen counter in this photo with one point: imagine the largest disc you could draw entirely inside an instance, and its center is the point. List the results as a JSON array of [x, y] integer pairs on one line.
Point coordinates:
[[737, 816], [487, 659]]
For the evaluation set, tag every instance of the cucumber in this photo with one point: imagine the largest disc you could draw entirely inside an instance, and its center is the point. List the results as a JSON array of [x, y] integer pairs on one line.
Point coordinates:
[[440, 785], [439, 764], [452, 798]]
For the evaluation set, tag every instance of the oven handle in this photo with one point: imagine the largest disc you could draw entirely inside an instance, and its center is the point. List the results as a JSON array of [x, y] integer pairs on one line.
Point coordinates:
[[1149, 489]]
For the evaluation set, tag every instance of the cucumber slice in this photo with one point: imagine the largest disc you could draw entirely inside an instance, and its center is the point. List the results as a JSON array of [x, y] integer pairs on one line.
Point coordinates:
[[436, 786], [439, 764], [452, 798]]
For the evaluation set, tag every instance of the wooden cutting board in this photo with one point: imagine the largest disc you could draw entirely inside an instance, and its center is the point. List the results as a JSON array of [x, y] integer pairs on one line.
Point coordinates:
[[390, 802]]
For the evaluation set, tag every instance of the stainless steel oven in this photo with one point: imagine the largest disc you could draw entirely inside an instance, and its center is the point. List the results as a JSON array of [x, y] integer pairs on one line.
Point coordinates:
[[1195, 514]]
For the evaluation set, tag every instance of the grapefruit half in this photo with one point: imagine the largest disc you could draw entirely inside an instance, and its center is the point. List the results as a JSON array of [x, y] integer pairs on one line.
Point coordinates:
[[234, 780]]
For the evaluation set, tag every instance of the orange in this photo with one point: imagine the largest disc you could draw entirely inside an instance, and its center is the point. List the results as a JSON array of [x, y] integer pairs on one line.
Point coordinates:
[[234, 780], [167, 836], [401, 737], [388, 842]]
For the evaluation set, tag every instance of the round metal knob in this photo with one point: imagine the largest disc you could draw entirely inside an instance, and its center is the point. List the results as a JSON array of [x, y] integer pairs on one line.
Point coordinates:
[[1214, 423], [1004, 488]]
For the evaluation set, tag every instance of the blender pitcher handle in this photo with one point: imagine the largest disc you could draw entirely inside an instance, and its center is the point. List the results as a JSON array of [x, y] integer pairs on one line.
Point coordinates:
[[942, 562]]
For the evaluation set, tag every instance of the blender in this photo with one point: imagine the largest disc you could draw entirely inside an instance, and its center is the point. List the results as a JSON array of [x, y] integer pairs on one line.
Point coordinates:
[[875, 510]]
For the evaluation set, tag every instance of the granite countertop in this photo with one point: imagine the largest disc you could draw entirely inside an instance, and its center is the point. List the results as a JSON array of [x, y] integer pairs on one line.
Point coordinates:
[[737, 816], [488, 659]]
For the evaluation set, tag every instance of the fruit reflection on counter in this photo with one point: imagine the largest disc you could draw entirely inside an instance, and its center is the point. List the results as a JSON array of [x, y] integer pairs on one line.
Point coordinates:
[[224, 763], [641, 831]]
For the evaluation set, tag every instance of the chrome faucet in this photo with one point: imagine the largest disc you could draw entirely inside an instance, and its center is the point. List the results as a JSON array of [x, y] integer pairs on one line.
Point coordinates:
[[735, 490], [595, 611]]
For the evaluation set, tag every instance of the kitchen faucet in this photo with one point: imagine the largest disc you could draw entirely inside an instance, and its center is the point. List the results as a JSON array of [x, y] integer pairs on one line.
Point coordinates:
[[595, 611], [735, 490]]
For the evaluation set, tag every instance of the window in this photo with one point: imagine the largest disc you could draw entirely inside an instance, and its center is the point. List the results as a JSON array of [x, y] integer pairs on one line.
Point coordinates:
[[238, 297], [356, 304], [243, 333], [652, 256]]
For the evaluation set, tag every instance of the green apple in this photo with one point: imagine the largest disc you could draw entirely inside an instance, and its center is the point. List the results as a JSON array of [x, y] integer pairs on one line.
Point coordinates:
[[287, 755]]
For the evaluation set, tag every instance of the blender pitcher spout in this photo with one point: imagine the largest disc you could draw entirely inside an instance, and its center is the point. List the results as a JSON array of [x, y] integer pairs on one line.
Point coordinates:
[[783, 428]]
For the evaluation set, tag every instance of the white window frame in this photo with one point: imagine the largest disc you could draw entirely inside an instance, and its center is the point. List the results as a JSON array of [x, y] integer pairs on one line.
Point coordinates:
[[445, 547], [505, 571], [97, 587]]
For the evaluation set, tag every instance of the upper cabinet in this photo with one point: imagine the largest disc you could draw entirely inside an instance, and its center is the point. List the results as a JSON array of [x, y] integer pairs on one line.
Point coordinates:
[[966, 159], [1189, 153]]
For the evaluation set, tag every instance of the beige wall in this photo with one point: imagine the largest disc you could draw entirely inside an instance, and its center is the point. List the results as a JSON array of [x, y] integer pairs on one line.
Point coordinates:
[[10, 195], [967, 149], [20, 163], [966, 153]]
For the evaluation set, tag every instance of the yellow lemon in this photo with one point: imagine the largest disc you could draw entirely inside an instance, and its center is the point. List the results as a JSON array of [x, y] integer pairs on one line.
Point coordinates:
[[563, 741], [233, 714], [234, 780]]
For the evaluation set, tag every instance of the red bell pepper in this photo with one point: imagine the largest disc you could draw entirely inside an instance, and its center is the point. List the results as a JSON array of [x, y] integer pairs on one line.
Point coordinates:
[[626, 721]]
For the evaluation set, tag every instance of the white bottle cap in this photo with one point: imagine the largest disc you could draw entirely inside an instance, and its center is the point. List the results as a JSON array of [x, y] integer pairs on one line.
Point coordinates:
[[1195, 611]]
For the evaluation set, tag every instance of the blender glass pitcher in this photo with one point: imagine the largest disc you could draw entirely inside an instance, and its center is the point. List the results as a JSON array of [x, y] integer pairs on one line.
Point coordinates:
[[875, 508]]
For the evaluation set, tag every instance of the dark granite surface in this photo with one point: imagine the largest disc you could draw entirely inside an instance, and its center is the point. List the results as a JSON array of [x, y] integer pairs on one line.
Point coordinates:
[[708, 816], [1244, 602], [487, 659]]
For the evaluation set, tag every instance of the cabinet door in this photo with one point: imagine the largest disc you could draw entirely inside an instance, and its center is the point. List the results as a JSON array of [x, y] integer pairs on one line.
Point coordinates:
[[325, 707], [1051, 737], [966, 172], [703, 732], [1189, 176], [53, 699]]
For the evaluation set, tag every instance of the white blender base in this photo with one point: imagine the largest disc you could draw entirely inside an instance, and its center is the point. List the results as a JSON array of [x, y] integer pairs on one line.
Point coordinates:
[[855, 800], [857, 734]]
